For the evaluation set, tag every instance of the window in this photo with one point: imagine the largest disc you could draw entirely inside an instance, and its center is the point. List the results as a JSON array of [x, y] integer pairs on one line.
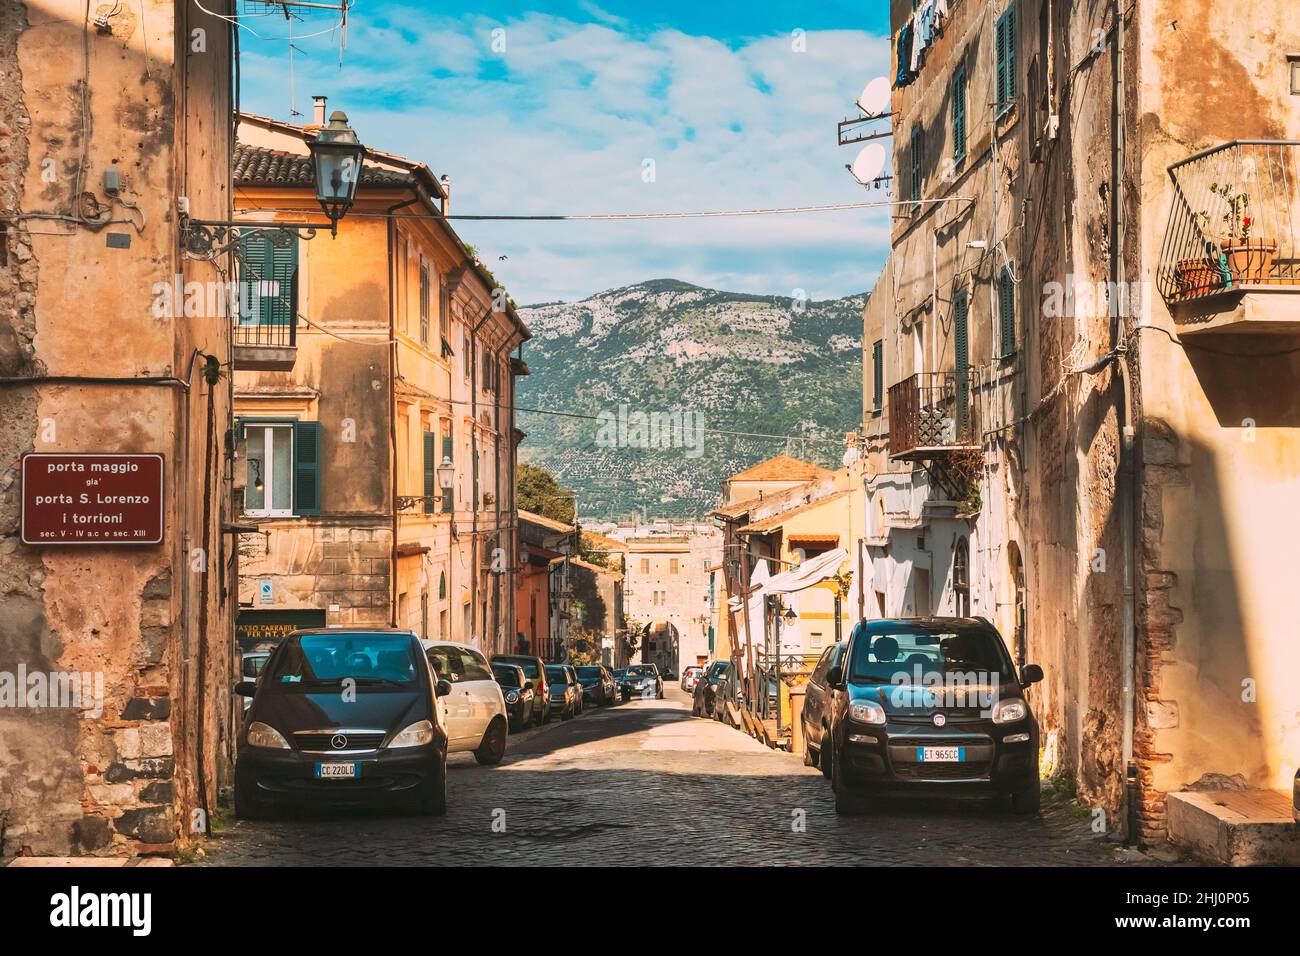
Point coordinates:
[[444, 316], [1007, 311], [1006, 61], [284, 459], [424, 304], [645, 565], [430, 471], [878, 374], [961, 578], [918, 142], [673, 566], [448, 456], [268, 281], [959, 114]]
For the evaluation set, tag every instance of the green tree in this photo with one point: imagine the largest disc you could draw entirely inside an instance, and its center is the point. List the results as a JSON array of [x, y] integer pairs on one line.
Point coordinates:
[[540, 493]]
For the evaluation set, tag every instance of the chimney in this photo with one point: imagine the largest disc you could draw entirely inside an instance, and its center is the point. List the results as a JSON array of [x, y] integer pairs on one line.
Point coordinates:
[[318, 110], [445, 183]]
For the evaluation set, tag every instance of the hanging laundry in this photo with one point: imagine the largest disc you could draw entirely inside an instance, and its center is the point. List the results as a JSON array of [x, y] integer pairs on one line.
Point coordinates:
[[916, 47], [927, 23], [941, 8], [904, 50]]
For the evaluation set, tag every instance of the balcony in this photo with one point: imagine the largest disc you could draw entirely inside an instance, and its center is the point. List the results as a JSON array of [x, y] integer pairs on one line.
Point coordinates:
[[264, 346], [931, 416], [1230, 257]]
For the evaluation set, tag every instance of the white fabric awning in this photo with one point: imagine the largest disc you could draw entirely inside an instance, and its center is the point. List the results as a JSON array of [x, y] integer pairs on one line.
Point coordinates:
[[807, 574]]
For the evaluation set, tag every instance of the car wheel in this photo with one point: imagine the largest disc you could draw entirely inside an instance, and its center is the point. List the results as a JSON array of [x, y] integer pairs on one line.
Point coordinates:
[[847, 803], [809, 756], [567, 714], [248, 805], [824, 755], [1026, 802], [493, 746], [433, 801]]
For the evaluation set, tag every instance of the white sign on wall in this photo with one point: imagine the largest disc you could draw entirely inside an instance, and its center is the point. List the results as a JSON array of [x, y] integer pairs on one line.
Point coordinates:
[[264, 588]]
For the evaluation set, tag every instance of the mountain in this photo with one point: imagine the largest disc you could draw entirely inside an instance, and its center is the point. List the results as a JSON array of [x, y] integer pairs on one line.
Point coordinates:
[[699, 357]]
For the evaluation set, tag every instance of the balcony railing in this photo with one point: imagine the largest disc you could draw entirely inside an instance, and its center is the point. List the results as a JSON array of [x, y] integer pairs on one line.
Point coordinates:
[[1233, 224], [931, 414], [265, 334]]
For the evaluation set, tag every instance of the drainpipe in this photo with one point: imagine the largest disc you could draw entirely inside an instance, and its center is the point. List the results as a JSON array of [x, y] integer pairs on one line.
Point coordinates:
[[392, 396], [1127, 478]]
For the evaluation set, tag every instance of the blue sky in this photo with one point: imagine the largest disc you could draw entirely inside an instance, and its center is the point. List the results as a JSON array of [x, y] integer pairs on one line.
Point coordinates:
[[535, 108]]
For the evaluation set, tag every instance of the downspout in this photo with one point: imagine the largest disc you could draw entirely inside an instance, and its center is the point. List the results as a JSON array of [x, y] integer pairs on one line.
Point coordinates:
[[1127, 475], [392, 399]]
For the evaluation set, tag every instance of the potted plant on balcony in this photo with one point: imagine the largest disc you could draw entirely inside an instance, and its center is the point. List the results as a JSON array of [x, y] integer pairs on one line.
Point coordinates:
[[1250, 260]]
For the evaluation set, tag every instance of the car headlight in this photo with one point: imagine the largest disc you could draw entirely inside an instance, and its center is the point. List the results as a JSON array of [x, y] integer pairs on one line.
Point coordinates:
[[264, 735], [416, 735], [512, 697], [1009, 711], [867, 712]]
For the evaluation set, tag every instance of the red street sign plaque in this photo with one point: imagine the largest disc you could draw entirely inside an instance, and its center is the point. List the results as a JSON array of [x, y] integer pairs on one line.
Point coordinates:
[[92, 499]]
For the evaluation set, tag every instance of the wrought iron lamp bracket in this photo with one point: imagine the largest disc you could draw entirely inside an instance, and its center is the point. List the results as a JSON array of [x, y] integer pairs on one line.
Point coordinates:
[[207, 239]]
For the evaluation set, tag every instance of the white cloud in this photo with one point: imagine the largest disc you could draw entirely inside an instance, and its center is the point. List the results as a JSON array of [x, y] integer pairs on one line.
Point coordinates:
[[563, 119]]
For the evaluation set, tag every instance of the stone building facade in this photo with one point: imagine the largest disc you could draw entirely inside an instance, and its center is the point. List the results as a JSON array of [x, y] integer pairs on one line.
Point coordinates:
[[105, 131]]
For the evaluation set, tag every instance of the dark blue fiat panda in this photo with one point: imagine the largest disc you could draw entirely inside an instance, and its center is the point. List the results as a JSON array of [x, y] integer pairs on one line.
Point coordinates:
[[930, 705]]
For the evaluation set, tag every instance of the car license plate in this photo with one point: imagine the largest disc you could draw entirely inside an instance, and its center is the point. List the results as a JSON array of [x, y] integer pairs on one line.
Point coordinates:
[[337, 771], [940, 754]]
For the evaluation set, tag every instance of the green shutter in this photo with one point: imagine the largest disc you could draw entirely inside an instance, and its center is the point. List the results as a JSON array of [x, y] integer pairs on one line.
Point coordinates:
[[1005, 40], [878, 370], [961, 348], [959, 114], [1007, 309], [306, 468], [430, 474], [268, 281], [916, 163], [448, 495]]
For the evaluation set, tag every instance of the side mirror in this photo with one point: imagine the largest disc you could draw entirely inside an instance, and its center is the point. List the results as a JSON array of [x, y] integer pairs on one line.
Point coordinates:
[[245, 688], [442, 688], [835, 677], [1030, 674]]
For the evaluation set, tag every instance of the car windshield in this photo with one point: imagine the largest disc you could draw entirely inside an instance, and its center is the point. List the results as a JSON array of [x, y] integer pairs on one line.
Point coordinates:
[[589, 673], [641, 670], [557, 675], [718, 669], [621, 672], [330, 658], [906, 653], [507, 676], [253, 664], [531, 670]]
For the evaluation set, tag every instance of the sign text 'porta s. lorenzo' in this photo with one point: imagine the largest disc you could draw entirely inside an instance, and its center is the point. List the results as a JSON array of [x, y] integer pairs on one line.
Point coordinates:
[[92, 499]]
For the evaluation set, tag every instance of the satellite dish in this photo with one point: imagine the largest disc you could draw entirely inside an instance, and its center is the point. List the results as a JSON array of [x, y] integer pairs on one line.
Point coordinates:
[[874, 100], [869, 163]]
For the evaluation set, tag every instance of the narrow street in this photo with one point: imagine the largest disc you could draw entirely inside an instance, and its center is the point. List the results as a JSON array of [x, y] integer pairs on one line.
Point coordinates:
[[644, 783]]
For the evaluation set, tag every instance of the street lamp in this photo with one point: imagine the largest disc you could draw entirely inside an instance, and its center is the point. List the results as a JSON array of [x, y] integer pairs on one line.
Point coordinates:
[[336, 159]]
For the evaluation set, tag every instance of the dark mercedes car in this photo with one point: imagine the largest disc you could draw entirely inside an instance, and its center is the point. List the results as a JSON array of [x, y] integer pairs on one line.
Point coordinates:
[[930, 705], [598, 685], [343, 717], [517, 690]]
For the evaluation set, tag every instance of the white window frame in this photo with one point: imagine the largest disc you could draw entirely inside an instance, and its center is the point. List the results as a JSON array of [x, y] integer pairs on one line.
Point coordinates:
[[268, 465]]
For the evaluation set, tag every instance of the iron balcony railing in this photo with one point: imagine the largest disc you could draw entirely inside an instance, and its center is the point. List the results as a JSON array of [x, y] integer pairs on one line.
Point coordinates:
[[264, 334], [931, 413], [1234, 220]]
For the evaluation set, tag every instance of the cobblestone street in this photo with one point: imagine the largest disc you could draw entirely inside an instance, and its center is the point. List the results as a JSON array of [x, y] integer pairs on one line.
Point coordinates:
[[644, 783]]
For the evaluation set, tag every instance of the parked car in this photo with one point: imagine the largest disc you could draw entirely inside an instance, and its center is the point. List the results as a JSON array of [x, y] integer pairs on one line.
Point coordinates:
[[624, 680], [251, 663], [535, 671], [691, 677], [518, 692], [564, 691], [888, 732], [579, 701], [712, 687], [598, 685], [1295, 797], [816, 712], [476, 708], [645, 681], [343, 716]]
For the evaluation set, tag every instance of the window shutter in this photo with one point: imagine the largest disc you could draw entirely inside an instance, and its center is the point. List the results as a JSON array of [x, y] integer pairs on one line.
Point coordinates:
[[961, 348], [916, 163], [1007, 307], [959, 114], [878, 370], [449, 494], [430, 475], [306, 468], [284, 270], [1005, 40]]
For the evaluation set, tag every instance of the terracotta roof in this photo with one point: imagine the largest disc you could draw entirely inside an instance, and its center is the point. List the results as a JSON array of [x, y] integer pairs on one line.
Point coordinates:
[[778, 519], [259, 166], [782, 468], [598, 542], [544, 521], [595, 568], [738, 508]]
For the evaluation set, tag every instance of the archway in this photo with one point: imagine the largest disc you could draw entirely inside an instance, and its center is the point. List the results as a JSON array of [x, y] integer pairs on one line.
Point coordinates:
[[660, 645]]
